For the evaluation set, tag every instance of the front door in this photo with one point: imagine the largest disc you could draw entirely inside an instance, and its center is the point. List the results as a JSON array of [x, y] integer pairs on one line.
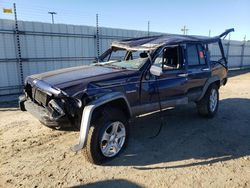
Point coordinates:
[[171, 85]]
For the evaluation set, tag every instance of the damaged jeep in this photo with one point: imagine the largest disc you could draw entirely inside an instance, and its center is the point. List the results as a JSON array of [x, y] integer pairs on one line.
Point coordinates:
[[133, 77]]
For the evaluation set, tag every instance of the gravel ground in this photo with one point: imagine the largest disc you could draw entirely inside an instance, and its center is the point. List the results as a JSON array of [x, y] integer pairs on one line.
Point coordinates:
[[189, 152]]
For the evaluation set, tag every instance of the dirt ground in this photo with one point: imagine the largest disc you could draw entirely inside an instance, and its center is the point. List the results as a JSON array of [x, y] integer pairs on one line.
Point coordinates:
[[189, 152]]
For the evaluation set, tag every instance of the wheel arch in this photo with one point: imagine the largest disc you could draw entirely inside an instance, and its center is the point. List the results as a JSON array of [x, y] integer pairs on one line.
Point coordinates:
[[118, 103], [213, 80], [114, 99]]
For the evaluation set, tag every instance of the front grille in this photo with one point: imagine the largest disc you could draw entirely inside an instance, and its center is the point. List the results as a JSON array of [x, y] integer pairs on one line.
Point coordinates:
[[41, 97], [36, 95]]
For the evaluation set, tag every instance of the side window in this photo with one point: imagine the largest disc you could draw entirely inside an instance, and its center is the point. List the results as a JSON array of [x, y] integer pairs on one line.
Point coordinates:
[[192, 55], [201, 55], [170, 59], [158, 61]]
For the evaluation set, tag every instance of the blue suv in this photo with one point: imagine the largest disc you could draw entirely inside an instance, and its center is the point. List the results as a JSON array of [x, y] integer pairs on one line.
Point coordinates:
[[133, 77]]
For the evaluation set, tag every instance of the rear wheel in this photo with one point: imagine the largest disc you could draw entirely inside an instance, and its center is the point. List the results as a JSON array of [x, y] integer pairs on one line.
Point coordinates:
[[208, 105], [107, 136]]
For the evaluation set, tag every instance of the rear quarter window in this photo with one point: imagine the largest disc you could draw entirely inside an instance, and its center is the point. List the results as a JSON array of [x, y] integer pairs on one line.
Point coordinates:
[[192, 55], [201, 55]]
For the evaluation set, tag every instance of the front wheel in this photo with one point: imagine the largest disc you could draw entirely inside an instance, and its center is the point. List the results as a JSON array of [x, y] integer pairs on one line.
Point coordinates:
[[209, 104], [107, 136]]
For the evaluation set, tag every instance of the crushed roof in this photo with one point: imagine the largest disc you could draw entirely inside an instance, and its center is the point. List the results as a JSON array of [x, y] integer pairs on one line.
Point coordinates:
[[153, 42]]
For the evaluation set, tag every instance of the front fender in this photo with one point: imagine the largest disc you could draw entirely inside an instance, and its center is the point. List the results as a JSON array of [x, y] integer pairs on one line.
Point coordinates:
[[87, 115]]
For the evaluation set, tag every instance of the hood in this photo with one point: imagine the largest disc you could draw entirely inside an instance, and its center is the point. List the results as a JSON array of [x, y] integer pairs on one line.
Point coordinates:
[[76, 78]]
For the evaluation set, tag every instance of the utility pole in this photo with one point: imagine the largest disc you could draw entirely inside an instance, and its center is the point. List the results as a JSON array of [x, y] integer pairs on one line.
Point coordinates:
[[148, 28], [52, 16], [244, 39], [185, 30], [228, 45], [19, 55], [243, 52], [209, 33]]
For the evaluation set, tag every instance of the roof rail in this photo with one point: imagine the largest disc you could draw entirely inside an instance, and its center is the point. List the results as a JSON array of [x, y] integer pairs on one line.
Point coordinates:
[[225, 33]]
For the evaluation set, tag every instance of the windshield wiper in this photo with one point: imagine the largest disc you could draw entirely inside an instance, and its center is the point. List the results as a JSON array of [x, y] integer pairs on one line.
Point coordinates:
[[109, 65], [115, 66]]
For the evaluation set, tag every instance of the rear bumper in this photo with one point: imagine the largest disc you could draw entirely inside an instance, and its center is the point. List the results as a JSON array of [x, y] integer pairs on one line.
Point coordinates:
[[42, 114]]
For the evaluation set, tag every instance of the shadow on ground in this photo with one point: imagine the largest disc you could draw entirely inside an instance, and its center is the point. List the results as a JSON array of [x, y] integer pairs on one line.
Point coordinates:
[[110, 183], [9, 106], [186, 136], [239, 72]]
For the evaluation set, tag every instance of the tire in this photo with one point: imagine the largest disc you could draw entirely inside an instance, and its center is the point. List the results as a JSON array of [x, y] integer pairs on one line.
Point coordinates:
[[206, 107], [102, 128], [21, 101]]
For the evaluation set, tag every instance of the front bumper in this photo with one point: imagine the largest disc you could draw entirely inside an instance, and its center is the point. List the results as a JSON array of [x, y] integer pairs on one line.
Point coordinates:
[[43, 115]]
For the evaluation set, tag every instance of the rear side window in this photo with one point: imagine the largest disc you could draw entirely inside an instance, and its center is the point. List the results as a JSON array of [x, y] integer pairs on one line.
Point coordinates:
[[195, 55], [192, 55], [201, 54]]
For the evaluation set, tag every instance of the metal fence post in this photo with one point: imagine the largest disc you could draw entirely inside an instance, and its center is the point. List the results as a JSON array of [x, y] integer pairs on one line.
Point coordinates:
[[97, 37], [242, 54], [228, 46], [148, 28], [19, 55]]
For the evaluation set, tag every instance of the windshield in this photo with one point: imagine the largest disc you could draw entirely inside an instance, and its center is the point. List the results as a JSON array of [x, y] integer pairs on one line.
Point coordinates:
[[125, 59]]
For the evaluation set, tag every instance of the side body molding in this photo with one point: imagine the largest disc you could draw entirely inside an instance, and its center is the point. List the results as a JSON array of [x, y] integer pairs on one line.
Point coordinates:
[[208, 82], [87, 115]]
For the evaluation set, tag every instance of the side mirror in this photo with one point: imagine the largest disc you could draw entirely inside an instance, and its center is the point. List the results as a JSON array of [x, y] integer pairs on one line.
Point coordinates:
[[155, 70]]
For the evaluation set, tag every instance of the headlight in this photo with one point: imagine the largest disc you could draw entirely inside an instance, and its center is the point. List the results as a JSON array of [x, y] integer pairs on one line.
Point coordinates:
[[53, 104], [78, 102]]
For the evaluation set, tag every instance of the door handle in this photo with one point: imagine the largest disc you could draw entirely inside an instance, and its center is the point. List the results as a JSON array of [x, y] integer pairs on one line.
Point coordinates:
[[205, 69], [183, 75]]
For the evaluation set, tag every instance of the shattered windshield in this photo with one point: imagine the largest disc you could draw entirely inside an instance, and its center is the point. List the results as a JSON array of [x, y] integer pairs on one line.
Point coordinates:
[[123, 59]]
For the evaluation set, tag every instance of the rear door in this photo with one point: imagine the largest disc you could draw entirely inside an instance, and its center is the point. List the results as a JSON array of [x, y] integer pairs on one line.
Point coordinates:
[[198, 69]]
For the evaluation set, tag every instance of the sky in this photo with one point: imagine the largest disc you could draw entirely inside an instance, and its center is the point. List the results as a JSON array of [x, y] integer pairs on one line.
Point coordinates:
[[167, 16]]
